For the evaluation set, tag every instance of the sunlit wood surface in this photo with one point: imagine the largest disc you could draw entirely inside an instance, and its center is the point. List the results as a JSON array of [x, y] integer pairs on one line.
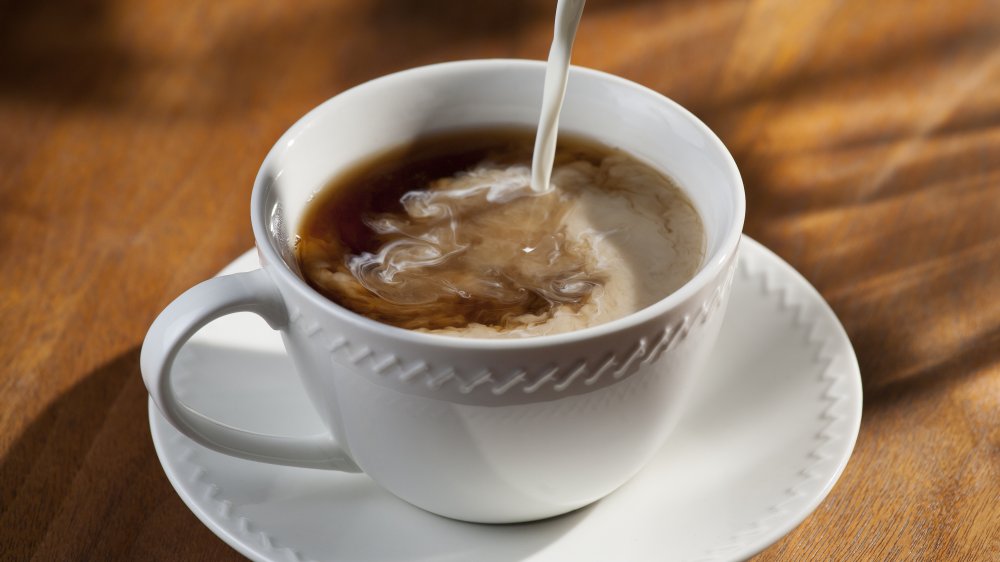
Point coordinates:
[[868, 135]]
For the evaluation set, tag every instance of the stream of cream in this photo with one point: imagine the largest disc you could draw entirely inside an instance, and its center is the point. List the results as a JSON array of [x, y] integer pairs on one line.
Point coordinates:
[[568, 13]]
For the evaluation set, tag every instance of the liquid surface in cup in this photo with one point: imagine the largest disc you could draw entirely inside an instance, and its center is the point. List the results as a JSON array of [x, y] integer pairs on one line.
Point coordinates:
[[446, 235]]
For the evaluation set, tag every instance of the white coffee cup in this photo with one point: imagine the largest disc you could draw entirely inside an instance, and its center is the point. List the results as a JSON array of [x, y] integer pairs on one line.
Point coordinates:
[[481, 430]]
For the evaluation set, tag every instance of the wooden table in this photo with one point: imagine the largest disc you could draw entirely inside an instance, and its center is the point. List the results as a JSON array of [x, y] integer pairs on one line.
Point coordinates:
[[868, 135]]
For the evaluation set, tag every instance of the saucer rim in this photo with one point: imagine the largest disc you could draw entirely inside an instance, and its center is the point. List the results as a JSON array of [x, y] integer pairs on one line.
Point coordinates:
[[176, 481], [856, 390], [852, 397]]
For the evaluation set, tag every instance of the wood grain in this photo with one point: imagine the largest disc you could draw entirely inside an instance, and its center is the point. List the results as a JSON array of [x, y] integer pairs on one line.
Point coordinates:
[[868, 134]]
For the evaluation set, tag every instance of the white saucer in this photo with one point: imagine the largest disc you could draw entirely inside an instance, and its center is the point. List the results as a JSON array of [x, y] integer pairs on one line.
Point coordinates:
[[765, 439]]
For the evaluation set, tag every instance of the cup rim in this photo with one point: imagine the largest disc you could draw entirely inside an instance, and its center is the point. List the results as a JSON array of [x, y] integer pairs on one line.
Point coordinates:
[[709, 271]]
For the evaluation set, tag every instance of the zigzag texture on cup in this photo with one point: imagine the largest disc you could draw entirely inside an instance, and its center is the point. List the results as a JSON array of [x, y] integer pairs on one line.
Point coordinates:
[[414, 375]]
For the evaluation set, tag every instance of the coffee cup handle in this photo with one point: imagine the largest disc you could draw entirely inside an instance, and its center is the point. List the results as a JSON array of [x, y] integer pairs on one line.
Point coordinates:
[[242, 292]]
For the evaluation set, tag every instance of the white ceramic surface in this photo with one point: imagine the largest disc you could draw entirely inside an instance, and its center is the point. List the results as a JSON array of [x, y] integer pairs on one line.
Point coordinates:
[[768, 431], [487, 430]]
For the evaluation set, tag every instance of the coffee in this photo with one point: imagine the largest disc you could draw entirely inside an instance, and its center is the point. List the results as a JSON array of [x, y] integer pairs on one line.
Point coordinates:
[[446, 235]]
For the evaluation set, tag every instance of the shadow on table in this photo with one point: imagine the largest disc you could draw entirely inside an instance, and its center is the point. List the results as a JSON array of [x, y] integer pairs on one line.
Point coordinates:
[[62, 52], [83, 482], [971, 358]]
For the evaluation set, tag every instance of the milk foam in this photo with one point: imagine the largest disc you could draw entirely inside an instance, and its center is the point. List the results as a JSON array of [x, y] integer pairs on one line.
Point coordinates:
[[642, 235]]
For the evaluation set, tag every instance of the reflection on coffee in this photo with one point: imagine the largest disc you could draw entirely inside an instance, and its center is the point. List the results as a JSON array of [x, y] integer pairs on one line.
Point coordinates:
[[446, 235]]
